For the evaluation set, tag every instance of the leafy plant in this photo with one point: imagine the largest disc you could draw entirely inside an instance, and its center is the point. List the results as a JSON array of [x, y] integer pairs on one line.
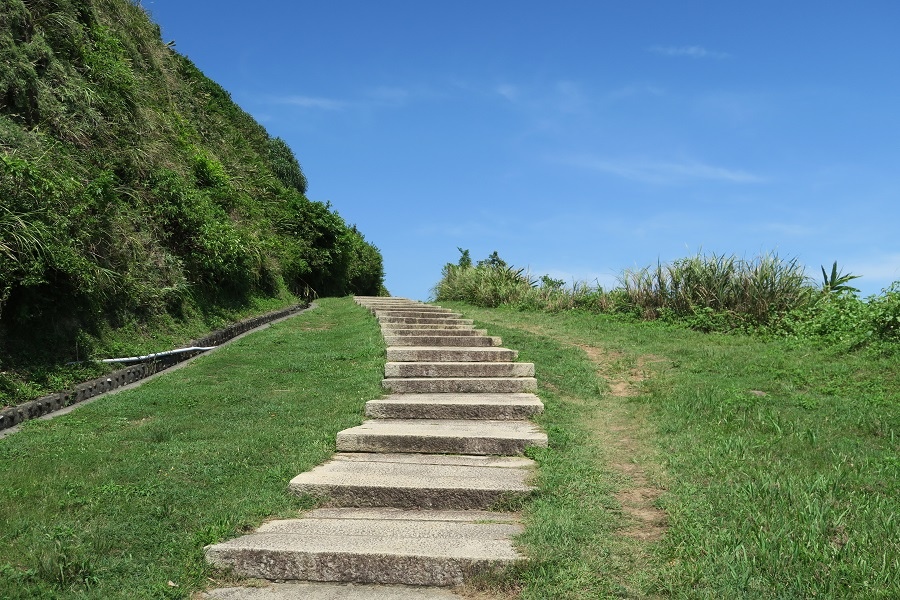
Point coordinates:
[[836, 282]]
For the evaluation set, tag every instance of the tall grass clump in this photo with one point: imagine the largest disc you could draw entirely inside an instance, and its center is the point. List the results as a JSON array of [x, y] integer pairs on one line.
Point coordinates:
[[489, 283], [706, 291], [768, 295], [721, 288]]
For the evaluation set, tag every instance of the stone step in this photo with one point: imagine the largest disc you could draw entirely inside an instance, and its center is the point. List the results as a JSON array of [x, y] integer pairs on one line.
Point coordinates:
[[438, 340], [329, 591], [439, 548], [424, 321], [458, 369], [441, 436], [498, 407], [416, 313], [417, 307], [426, 326], [450, 354], [459, 385], [432, 481], [434, 331]]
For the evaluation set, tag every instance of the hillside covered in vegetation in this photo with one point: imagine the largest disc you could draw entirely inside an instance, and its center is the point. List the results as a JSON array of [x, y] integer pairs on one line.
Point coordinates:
[[133, 188]]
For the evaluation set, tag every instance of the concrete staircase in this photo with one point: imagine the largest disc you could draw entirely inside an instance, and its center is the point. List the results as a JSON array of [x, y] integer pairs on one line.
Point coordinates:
[[411, 492]]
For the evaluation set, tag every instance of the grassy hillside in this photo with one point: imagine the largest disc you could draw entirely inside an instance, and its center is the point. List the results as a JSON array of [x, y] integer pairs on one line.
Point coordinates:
[[690, 465], [681, 464], [118, 498], [134, 191]]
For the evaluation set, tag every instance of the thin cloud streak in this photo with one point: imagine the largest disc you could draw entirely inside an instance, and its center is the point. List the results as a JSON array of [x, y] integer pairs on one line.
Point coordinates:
[[662, 172], [687, 51], [311, 102], [510, 92]]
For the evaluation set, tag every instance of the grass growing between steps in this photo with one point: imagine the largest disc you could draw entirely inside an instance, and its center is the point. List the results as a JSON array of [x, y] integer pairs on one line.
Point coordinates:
[[118, 498], [776, 465]]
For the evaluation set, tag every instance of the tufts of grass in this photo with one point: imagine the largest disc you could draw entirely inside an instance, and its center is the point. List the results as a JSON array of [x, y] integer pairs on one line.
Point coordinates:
[[754, 291]]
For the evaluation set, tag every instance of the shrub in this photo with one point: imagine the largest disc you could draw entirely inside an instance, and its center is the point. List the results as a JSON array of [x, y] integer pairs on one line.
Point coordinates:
[[490, 283]]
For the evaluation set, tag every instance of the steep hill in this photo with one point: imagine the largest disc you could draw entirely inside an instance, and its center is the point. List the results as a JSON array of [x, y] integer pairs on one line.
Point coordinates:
[[131, 186]]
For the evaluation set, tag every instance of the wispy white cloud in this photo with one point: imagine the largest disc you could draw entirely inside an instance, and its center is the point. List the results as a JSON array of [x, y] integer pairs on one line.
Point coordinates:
[[376, 97], [510, 92], [311, 102], [662, 172], [631, 91], [687, 51], [388, 95]]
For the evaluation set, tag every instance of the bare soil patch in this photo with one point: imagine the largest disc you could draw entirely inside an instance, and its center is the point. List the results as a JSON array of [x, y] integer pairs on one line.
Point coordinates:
[[623, 435]]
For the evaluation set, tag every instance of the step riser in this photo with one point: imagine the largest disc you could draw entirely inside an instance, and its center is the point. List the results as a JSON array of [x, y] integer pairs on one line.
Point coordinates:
[[430, 499], [432, 445], [421, 314], [458, 341], [397, 410], [401, 354], [460, 369], [435, 332], [461, 386], [351, 568], [425, 327], [423, 321]]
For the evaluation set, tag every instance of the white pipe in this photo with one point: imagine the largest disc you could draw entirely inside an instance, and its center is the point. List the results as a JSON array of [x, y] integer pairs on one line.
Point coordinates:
[[158, 354]]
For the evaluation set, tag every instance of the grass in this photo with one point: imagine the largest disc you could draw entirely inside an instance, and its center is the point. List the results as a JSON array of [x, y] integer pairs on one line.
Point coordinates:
[[26, 374], [680, 464], [776, 462], [118, 498]]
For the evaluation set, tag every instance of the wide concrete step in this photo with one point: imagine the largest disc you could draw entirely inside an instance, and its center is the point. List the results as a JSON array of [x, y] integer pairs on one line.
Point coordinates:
[[458, 369], [426, 327], [439, 548], [442, 340], [424, 321], [434, 331], [422, 314], [305, 590], [401, 304], [440, 436], [433, 481], [450, 354], [459, 385], [455, 406]]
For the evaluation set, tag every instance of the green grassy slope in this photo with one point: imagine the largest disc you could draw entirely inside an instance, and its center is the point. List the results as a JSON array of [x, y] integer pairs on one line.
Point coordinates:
[[680, 464], [133, 189], [118, 498], [771, 466]]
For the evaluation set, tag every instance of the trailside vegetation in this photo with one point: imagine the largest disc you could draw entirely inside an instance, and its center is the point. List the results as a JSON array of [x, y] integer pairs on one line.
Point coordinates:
[[767, 295], [133, 188]]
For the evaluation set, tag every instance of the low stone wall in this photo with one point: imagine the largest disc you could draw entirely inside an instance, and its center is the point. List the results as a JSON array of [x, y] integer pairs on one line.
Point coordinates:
[[12, 416]]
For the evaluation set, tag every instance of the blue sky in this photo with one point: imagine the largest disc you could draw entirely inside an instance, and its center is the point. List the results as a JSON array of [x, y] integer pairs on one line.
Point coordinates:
[[582, 137]]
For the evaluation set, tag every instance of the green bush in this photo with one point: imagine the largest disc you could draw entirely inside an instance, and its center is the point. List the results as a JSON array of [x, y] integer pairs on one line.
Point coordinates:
[[489, 283]]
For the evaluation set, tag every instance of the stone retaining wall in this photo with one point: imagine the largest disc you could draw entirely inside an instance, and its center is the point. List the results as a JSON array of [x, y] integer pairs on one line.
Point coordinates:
[[12, 416]]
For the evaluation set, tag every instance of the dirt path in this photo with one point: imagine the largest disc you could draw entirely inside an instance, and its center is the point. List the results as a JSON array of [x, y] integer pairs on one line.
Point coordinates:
[[623, 434]]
